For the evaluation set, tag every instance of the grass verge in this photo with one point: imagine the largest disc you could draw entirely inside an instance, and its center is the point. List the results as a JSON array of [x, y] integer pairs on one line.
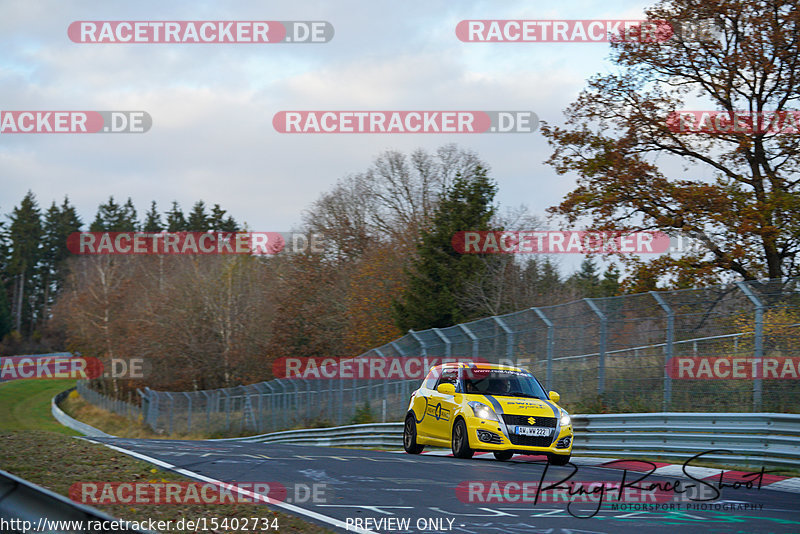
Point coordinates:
[[25, 405], [37, 448]]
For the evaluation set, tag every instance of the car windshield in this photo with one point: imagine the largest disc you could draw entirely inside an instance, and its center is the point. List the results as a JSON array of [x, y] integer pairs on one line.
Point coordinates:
[[502, 383]]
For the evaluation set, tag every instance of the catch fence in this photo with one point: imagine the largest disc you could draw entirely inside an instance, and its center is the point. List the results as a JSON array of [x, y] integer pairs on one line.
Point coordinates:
[[603, 355]]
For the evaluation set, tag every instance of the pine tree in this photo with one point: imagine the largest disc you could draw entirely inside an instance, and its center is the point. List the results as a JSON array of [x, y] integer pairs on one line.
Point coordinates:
[[25, 236], [551, 279], [198, 220], [219, 223], [6, 322], [439, 273], [152, 220], [176, 222], [129, 219], [586, 281], [59, 223], [112, 217], [609, 285]]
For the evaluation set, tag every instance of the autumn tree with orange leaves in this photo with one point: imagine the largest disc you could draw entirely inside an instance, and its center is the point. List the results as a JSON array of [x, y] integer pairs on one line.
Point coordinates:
[[737, 193]]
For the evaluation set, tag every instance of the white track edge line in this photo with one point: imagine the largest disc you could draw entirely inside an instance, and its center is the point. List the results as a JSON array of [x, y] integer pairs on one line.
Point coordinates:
[[258, 496]]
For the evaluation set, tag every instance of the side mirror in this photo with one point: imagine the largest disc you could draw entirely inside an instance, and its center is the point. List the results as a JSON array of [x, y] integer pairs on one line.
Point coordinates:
[[555, 397], [446, 389]]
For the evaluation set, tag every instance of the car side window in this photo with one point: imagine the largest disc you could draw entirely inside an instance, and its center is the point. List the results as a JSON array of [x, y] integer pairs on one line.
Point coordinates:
[[430, 380], [449, 376]]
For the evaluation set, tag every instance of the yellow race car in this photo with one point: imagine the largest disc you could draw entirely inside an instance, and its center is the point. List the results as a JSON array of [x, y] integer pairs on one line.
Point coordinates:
[[485, 407]]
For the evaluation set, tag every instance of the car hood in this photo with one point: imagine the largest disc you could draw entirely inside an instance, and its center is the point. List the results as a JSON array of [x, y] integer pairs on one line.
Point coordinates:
[[517, 405]]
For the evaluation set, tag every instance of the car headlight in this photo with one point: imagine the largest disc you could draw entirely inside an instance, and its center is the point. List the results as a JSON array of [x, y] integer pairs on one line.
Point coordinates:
[[483, 411], [565, 418]]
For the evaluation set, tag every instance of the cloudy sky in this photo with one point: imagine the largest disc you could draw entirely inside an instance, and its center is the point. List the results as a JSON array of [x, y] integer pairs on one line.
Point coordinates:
[[212, 104]]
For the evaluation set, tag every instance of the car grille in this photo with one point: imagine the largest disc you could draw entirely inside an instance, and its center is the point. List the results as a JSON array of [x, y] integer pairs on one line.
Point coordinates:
[[529, 441], [522, 420]]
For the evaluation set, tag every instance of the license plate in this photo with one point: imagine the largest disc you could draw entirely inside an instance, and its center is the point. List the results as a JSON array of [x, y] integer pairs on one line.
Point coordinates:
[[532, 431]]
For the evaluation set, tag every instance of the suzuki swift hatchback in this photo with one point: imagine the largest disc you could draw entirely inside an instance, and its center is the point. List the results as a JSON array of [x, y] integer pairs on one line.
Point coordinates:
[[485, 407]]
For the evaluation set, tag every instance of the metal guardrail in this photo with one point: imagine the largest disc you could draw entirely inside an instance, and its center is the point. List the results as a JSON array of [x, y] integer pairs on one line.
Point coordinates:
[[363, 435], [69, 422], [754, 439], [769, 439], [22, 501]]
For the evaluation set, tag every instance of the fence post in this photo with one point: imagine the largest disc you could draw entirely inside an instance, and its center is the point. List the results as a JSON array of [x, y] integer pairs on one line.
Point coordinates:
[[447, 347], [294, 399], [668, 349], [145, 402], [601, 367], [422, 345], [227, 408], [271, 404], [189, 416], [156, 412], [208, 409], [307, 397], [404, 383], [283, 403], [509, 338], [385, 383], [550, 344], [475, 342], [758, 351], [171, 409], [423, 350]]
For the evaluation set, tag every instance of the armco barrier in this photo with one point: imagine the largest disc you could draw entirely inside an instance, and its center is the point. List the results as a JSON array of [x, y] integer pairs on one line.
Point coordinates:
[[769, 439], [364, 435], [69, 422], [752, 439], [21, 500]]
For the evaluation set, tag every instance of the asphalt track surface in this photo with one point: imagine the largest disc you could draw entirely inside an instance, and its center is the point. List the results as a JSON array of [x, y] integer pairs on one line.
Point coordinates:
[[375, 485]]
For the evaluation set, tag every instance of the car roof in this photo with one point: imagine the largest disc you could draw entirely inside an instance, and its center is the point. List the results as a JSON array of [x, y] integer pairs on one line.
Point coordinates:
[[477, 365]]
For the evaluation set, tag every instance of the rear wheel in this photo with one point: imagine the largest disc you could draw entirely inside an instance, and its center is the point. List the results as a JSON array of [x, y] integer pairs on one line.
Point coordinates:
[[558, 459], [461, 440], [410, 436], [503, 455]]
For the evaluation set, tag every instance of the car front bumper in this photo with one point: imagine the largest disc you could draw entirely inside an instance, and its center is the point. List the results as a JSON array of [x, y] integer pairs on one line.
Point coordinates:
[[487, 435]]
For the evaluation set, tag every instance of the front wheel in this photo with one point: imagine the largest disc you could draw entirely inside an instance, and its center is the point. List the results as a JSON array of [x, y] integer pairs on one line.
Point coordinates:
[[461, 440], [503, 455], [410, 436], [558, 459]]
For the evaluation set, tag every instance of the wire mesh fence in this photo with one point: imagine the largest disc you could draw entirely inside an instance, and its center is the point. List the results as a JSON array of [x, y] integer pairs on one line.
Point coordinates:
[[732, 347], [108, 403]]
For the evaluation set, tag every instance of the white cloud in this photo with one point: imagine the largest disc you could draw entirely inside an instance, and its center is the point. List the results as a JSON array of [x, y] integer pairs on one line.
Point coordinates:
[[212, 105]]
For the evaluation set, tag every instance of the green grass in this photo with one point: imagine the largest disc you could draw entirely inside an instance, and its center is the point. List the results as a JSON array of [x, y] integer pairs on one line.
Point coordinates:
[[25, 405], [37, 448]]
